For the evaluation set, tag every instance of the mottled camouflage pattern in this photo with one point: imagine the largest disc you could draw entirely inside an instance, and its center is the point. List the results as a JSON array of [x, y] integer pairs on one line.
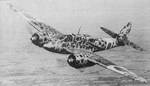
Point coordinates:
[[85, 45], [77, 41]]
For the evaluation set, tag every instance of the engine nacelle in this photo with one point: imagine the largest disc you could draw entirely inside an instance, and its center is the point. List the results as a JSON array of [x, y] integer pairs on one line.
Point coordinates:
[[37, 40], [79, 61]]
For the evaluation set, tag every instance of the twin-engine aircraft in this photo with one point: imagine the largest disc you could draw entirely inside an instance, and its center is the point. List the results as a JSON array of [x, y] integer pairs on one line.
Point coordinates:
[[81, 47]]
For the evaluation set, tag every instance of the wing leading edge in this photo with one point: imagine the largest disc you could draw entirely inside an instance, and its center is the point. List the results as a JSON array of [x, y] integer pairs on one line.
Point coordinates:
[[92, 57], [113, 67], [36, 24]]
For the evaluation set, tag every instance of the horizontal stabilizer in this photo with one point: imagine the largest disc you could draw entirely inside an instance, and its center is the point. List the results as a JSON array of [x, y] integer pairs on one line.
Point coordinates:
[[109, 32], [133, 45]]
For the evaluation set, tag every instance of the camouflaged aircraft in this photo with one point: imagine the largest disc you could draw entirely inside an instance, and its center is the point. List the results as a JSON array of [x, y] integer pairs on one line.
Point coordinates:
[[81, 48]]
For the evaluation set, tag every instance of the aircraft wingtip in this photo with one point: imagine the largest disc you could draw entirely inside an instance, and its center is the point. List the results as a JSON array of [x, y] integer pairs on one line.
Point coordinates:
[[102, 28], [141, 79]]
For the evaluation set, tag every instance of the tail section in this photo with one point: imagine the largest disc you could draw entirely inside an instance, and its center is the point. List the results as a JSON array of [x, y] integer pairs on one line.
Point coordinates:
[[126, 29], [109, 32], [122, 36]]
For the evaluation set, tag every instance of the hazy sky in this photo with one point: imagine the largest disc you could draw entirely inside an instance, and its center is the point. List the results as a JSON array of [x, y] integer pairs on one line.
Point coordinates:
[[68, 15]]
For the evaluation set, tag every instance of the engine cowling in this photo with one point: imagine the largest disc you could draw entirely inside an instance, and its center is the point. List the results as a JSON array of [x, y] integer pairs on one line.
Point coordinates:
[[37, 40], [79, 61]]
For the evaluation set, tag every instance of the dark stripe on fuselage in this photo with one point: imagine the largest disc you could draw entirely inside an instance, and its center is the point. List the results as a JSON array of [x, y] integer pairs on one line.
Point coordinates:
[[61, 51]]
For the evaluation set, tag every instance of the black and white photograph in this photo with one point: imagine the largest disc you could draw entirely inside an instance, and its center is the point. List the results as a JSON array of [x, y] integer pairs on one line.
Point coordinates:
[[74, 43]]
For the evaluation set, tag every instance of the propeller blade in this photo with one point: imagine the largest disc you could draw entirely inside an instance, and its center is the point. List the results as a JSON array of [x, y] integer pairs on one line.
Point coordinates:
[[109, 32], [133, 45]]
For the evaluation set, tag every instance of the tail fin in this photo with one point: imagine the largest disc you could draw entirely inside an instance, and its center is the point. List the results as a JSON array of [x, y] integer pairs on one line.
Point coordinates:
[[122, 36], [126, 29]]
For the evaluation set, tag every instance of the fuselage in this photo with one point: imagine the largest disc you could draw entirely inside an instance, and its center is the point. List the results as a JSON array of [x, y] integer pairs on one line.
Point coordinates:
[[86, 42], [55, 41]]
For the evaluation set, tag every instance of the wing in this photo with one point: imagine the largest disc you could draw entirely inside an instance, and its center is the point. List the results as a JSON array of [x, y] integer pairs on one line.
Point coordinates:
[[39, 26], [113, 67], [44, 28], [99, 60]]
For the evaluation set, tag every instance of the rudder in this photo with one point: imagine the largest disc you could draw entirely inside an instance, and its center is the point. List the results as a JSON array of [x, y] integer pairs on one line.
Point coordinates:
[[126, 29]]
